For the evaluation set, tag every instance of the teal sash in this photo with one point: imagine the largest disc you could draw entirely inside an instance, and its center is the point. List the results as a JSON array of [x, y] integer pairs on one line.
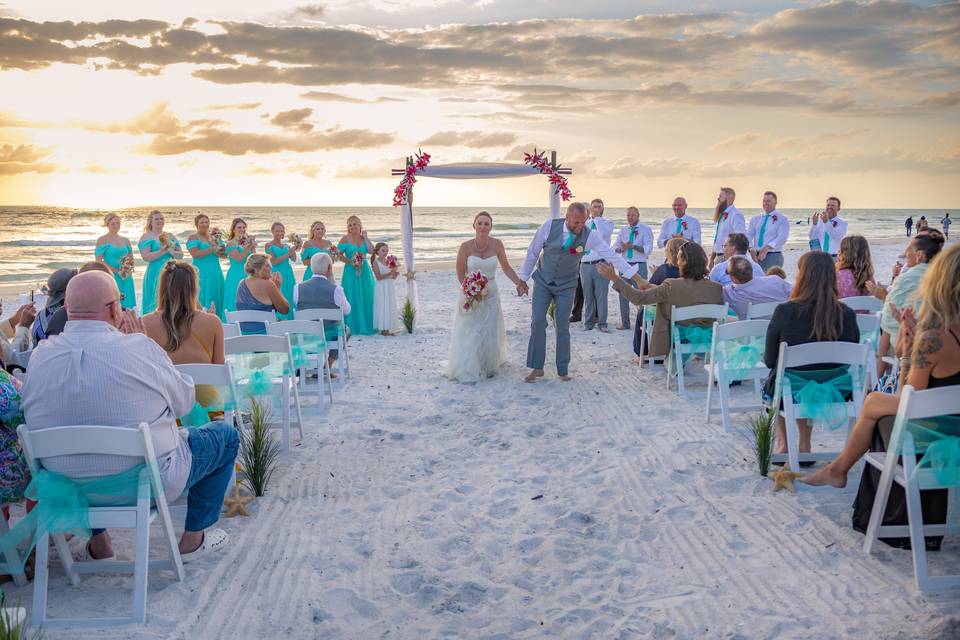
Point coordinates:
[[700, 339], [820, 395], [740, 358], [939, 441]]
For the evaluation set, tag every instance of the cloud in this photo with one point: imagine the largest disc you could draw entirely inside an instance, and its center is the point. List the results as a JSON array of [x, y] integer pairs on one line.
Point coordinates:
[[472, 139], [326, 96], [237, 144], [310, 11], [293, 119], [380, 169], [24, 158], [629, 167], [230, 107], [738, 139]]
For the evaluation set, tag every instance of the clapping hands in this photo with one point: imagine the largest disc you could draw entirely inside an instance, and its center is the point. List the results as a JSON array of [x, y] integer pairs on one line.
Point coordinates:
[[130, 322]]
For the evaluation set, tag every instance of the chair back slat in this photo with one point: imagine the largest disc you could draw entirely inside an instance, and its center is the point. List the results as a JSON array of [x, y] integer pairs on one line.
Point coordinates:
[[285, 327], [232, 330], [259, 343], [699, 312], [319, 314], [251, 315], [863, 303], [760, 310], [86, 439], [840, 353], [742, 329]]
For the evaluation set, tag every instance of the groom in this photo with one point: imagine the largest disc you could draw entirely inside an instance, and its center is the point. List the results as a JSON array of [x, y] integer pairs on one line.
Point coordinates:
[[555, 251]]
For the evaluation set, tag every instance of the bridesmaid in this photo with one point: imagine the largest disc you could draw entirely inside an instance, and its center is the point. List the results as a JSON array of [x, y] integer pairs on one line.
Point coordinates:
[[206, 259], [316, 243], [238, 258], [111, 249], [156, 254], [357, 282], [280, 257]]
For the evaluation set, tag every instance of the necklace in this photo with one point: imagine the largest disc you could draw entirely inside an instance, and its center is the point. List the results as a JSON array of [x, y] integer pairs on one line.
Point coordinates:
[[479, 248]]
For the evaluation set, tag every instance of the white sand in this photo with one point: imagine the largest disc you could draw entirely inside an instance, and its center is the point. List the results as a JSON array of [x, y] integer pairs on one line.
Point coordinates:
[[413, 512]]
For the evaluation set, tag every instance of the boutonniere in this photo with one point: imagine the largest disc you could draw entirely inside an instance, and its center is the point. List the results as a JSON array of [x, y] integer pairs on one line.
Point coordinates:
[[684, 224], [774, 218], [725, 215], [834, 223], [577, 249]]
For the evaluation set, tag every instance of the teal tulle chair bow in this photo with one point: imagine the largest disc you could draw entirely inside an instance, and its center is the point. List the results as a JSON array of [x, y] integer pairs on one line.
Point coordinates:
[[212, 401], [62, 506], [697, 340], [821, 395], [739, 359], [939, 441]]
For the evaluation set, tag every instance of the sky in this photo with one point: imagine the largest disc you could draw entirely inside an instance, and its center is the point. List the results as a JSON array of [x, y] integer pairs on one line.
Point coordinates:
[[111, 103]]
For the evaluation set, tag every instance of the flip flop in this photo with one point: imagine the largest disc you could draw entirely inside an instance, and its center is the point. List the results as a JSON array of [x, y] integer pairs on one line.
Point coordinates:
[[213, 540]]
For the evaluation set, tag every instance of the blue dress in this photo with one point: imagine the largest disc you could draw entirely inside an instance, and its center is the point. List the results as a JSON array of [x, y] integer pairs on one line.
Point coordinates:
[[211, 277], [112, 256], [235, 275], [148, 296], [246, 302], [288, 282], [358, 286]]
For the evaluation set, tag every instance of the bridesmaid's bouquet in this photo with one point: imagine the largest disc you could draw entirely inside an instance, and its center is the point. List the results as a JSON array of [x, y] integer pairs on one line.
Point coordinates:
[[126, 266], [244, 240], [166, 241], [295, 240], [475, 289], [216, 237], [357, 261], [392, 262], [334, 252]]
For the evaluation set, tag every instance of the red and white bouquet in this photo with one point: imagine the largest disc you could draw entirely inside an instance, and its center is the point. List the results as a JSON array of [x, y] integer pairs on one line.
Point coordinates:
[[216, 238], [475, 289], [166, 241], [126, 266], [244, 240], [334, 252], [295, 240], [392, 262], [357, 261]]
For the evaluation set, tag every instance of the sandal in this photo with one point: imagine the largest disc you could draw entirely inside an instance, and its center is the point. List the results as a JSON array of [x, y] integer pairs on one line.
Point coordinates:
[[213, 540]]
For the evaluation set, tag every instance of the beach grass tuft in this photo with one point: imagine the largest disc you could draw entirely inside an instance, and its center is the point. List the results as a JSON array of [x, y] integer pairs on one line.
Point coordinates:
[[762, 427], [259, 452], [408, 314]]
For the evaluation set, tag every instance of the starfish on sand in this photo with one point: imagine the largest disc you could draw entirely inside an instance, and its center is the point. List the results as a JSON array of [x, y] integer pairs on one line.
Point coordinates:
[[783, 479], [236, 503]]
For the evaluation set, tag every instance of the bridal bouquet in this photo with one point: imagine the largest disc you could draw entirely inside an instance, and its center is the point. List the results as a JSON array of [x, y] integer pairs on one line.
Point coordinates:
[[475, 289], [357, 261], [392, 262], [126, 266], [295, 240]]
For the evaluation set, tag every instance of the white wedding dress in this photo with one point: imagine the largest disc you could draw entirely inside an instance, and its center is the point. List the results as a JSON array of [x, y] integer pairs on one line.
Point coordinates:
[[478, 345]]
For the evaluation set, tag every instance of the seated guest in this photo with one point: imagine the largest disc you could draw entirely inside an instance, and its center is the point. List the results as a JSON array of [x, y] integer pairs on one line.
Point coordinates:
[[56, 287], [776, 271], [854, 267], [668, 269], [692, 287], [929, 351], [15, 333], [14, 472], [736, 244], [103, 370], [59, 318], [745, 287], [321, 292], [260, 291], [813, 313]]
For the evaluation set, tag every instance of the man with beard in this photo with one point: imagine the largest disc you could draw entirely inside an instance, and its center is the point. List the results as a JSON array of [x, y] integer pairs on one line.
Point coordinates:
[[727, 219]]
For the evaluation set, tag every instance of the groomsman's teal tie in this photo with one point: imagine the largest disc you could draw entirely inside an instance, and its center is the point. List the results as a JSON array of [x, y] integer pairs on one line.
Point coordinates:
[[569, 241], [633, 236], [593, 225], [826, 239], [679, 226], [763, 228]]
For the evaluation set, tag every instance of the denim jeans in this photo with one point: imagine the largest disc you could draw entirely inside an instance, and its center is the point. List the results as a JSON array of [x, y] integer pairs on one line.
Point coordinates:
[[214, 447]]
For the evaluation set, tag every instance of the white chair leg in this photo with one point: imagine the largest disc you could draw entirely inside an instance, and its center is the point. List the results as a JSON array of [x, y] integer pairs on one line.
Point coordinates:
[[19, 579], [879, 508], [710, 381], [40, 579], [285, 413], [724, 391], [793, 443], [141, 563], [681, 389], [299, 409], [66, 558]]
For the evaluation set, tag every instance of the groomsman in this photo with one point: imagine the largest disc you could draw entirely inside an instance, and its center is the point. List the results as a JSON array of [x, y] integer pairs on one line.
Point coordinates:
[[595, 287], [727, 219], [577, 313], [680, 225], [634, 243], [768, 233], [828, 228]]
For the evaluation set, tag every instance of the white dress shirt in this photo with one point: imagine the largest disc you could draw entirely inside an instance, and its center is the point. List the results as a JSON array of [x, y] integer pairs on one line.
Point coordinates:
[[669, 229], [762, 289], [836, 229], [719, 271], [602, 226], [594, 243], [339, 297], [775, 234], [642, 242], [730, 222], [93, 374]]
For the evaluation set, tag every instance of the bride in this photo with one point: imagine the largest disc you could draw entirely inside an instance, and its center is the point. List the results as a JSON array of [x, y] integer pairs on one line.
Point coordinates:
[[479, 343]]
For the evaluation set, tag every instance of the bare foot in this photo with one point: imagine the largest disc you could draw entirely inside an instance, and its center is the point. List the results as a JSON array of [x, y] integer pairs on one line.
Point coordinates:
[[533, 375], [566, 378], [826, 476]]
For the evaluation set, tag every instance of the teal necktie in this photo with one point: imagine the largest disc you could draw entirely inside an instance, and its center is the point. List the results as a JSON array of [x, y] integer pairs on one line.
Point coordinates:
[[633, 236], [569, 241], [593, 225], [826, 239], [679, 226], [763, 228]]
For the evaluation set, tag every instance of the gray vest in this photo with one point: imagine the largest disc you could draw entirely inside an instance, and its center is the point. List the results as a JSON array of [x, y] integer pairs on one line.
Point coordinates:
[[317, 293], [558, 266]]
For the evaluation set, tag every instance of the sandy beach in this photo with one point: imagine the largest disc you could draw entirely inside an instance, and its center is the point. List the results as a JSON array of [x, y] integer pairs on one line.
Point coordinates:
[[602, 508]]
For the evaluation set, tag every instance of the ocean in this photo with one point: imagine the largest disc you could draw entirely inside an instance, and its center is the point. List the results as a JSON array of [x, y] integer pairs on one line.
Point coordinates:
[[36, 240]]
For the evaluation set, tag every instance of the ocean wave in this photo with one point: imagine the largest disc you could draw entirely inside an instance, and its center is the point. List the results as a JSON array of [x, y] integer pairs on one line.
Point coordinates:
[[49, 243]]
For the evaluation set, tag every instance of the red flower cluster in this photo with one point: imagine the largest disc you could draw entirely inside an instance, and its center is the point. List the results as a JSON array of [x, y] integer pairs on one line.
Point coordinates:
[[400, 193], [392, 262], [475, 289], [539, 160]]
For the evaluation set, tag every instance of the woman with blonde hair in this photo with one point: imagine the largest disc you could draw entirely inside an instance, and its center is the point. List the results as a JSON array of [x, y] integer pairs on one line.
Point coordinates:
[[260, 291], [315, 243], [281, 255], [206, 254], [239, 247], [854, 267], [112, 250], [157, 247], [357, 278]]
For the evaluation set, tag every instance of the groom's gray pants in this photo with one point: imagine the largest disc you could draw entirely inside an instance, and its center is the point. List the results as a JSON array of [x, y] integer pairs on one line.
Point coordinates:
[[595, 289], [537, 347]]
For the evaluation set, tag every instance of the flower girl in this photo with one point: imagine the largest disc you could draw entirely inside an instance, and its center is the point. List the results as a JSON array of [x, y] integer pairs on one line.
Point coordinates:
[[385, 293]]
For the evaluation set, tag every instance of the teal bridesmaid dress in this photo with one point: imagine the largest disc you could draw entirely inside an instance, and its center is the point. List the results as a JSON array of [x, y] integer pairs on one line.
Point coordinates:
[[289, 280], [148, 295], [235, 275], [358, 286], [309, 252], [112, 256], [211, 277]]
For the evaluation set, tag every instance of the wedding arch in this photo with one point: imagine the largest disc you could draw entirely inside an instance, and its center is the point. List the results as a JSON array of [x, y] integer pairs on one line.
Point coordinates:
[[418, 166]]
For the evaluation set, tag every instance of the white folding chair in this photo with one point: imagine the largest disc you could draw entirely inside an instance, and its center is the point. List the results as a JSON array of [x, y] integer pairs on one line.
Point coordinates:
[[863, 303], [294, 328], [20, 578], [761, 310], [283, 384], [332, 315], [837, 354], [647, 315], [263, 317], [715, 312], [869, 325], [231, 329], [914, 405], [724, 371], [121, 441]]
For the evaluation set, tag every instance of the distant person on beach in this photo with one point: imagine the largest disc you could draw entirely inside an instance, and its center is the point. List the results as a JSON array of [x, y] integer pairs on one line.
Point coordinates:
[[922, 224], [768, 233], [122, 379], [281, 255], [635, 244], [357, 281], [56, 290], [680, 225], [736, 244], [239, 247], [828, 228], [946, 222], [727, 219], [746, 287], [908, 223], [316, 243], [385, 290], [595, 288]]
